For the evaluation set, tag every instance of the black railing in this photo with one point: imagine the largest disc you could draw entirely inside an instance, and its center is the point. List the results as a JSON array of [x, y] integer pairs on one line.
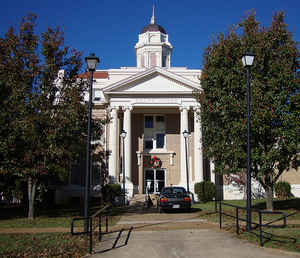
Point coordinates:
[[98, 216], [260, 224]]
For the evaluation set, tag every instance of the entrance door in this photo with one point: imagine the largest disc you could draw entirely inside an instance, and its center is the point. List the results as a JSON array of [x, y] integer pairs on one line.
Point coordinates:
[[155, 180]]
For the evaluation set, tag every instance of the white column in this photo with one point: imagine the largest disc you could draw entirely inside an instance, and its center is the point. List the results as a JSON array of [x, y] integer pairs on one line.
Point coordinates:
[[127, 141], [198, 151], [113, 134], [184, 125]]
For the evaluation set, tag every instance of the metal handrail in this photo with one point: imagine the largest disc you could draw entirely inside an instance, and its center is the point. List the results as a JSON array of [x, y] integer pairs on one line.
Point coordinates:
[[101, 210], [99, 214], [260, 224]]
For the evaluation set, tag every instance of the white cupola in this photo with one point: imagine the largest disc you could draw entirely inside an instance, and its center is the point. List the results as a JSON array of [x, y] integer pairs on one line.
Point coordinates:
[[153, 47]]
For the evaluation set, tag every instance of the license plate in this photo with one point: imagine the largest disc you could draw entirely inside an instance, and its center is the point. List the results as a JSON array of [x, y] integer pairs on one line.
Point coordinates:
[[176, 206]]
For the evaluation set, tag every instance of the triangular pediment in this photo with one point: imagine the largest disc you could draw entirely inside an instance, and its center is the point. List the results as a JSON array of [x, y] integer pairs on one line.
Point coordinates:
[[154, 80]]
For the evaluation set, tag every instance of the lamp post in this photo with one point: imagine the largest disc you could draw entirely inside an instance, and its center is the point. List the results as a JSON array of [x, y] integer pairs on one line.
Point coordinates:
[[186, 135], [123, 135], [92, 62], [247, 60]]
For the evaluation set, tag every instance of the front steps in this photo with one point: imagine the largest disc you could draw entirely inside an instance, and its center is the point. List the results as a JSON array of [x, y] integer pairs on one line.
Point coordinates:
[[138, 199]]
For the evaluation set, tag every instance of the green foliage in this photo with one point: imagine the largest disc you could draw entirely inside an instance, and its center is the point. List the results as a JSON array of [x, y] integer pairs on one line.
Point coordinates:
[[283, 190], [275, 90], [206, 191], [110, 191], [42, 114]]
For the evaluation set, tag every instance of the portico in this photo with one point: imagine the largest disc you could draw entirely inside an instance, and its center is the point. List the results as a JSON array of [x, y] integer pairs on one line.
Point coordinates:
[[171, 109]]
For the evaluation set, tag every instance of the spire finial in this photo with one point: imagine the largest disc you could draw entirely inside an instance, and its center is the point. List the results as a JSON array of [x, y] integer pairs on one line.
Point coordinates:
[[152, 21]]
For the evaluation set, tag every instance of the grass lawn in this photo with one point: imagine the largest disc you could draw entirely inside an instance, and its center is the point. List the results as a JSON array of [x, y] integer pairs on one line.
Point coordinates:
[[59, 216], [39, 222], [45, 244], [42, 245], [287, 238]]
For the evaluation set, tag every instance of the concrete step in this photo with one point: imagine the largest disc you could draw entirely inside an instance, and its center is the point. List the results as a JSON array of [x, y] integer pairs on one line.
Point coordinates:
[[138, 199]]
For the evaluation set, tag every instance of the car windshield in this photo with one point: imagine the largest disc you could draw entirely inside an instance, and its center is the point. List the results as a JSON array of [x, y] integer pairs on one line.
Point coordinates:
[[173, 190]]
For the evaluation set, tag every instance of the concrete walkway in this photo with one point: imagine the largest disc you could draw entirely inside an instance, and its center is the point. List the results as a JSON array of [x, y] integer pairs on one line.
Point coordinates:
[[176, 235], [186, 243]]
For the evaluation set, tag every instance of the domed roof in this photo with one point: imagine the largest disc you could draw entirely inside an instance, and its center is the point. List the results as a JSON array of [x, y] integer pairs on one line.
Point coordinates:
[[153, 27]]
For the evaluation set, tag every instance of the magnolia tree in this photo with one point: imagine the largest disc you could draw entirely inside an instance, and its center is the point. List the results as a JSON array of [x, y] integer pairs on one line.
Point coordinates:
[[44, 117], [275, 105]]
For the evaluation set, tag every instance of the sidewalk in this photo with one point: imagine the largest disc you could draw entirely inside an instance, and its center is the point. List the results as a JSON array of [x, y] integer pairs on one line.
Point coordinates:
[[176, 235], [185, 243]]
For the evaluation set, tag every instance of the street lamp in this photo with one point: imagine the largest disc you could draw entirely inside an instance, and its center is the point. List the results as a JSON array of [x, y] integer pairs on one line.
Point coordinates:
[[92, 62], [186, 135], [247, 60], [123, 135]]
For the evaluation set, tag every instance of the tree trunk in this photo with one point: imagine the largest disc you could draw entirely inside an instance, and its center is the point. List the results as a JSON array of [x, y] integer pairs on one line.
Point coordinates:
[[244, 192], [31, 197], [269, 198]]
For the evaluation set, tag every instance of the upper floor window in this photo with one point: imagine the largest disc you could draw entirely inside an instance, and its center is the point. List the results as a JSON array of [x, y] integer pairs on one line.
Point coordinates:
[[149, 144], [154, 132], [160, 140], [149, 122], [160, 119]]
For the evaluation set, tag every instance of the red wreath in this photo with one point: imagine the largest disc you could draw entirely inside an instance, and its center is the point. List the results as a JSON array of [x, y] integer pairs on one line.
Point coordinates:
[[155, 162]]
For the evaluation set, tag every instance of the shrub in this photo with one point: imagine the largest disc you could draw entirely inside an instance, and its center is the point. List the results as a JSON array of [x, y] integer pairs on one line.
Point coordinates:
[[206, 191], [110, 191], [283, 190]]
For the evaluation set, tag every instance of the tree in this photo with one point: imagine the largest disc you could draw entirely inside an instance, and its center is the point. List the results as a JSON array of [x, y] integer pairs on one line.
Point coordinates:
[[275, 119], [44, 116]]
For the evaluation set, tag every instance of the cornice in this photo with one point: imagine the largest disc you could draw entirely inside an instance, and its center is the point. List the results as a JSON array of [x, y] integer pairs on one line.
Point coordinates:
[[167, 73]]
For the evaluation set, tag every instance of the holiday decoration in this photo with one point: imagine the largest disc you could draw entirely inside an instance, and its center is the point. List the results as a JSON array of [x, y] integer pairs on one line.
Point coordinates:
[[155, 162]]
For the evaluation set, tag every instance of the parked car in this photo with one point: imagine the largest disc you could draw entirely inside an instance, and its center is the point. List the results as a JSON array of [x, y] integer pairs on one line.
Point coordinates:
[[174, 198]]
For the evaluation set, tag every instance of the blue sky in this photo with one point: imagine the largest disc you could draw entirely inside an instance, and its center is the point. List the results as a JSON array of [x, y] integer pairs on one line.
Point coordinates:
[[110, 28]]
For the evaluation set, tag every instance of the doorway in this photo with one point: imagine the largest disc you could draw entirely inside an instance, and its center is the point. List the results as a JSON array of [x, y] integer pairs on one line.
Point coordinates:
[[155, 180]]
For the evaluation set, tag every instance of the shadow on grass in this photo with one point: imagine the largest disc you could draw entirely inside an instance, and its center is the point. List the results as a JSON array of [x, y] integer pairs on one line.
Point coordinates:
[[281, 204], [68, 210], [13, 211], [268, 237]]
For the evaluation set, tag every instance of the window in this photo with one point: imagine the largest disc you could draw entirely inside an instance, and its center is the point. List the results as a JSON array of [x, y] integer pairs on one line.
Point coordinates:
[[149, 144], [148, 121], [160, 140], [152, 60], [160, 119], [154, 132]]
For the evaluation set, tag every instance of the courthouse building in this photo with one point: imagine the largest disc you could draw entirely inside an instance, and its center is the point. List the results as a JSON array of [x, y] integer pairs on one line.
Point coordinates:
[[154, 104]]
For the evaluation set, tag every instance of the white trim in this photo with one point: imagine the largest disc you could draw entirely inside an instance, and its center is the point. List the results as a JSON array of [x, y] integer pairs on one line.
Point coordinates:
[[151, 101], [149, 92], [117, 85]]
